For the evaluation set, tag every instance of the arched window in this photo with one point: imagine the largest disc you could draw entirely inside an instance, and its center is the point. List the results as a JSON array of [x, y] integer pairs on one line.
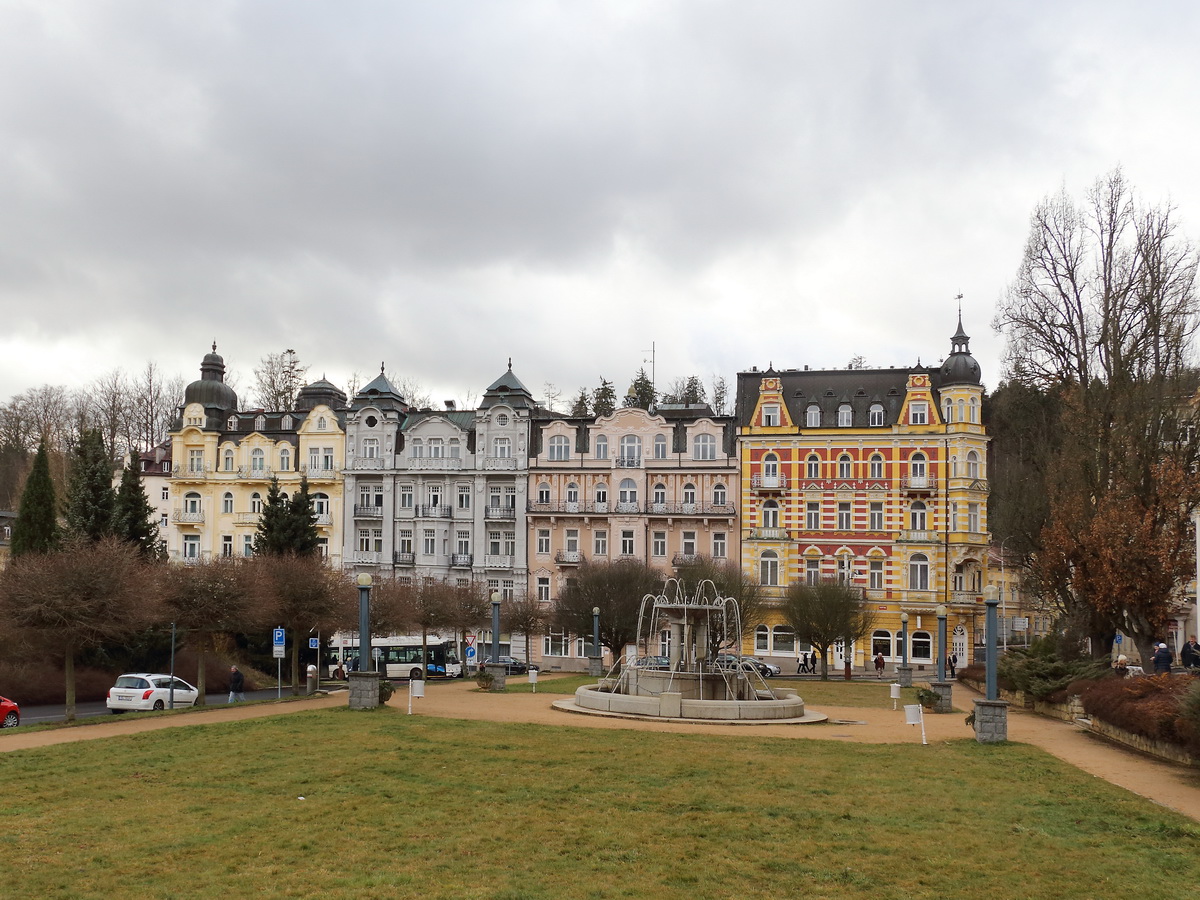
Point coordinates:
[[768, 569], [762, 638], [191, 502], [783, 639], [628, 492], [660, 495], [960, 412], [320, 504], [922, 646], [227, 502], [719, 495], [560, 447], [881, 642], [601, 447], [974, 410], [704, 447], [918, 572], [601, 492], [572, 493], [770, 514], [256, 502], [286, 423], [917, 470], [257, 460], [875, 418], [285, 460], [812, 467], [845, 466], [322, 424], [770, 470], [660, 446], [543, 493], [916, 516], [812, 416], [260, 422], [228, 460], [899, 645], [845, 416], [689, 494], [946, 408], [972, 464], [631, 449], [876, 466]]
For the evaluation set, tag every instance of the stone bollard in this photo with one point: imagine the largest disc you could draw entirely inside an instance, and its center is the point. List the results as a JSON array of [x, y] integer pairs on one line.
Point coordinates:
[[944, 690], [904, 675], [364, 690], [991, 721], [499, 674]]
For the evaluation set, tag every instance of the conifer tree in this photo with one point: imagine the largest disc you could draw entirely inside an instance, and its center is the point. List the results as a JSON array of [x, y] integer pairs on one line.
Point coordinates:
[[604, 399], [90, 496], [641, 392], [133, 516], [581, 405], [36, 527], [302, 529], [272, 536]]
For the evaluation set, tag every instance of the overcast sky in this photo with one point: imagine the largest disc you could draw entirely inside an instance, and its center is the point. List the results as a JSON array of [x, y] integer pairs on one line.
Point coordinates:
[[442, 185]]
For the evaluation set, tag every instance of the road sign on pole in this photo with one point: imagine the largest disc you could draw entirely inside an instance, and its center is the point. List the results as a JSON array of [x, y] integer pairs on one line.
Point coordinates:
[[278, 642], [314, 643], [470, 653], [470, 640]]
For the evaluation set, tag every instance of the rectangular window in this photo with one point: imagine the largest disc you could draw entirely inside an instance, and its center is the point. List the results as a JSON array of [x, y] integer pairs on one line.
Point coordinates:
[[770, 412], [364, 540], [463, 545], [227, 545], [247, 545], [543, 541], [510, 497], [506, 589], [494, 497], [464, 496], [162, 521], [812, 515], [377, 540], [972, 517], [659, 544], [493, 543], [502, 448], [918, 413], [844, 516], [812, 571], [876, 523], [405, 542], [406, 496], [543, 589], [718, 545], [627, 543], [429, 544], [600, 541], [327, 459], [166, 493], [510, 543], [876, 575], [689, 543], [196, 464], [954, 515], [191, 546], [572, 538], [555, 642]]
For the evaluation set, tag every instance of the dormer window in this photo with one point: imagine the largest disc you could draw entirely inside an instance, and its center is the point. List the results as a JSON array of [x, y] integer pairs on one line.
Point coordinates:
[[812, 416], [918, 413], [876, 415], [770, 415], [322, 424], [286, 423], [232, 424], [845, 416], [260, 423]]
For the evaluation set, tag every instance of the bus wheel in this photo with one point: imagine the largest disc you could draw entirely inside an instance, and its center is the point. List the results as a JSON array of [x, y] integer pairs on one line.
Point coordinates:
[[414, 675]]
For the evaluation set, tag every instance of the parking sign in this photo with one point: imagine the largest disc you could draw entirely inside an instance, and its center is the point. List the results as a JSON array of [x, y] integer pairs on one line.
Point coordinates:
[[278, 637]]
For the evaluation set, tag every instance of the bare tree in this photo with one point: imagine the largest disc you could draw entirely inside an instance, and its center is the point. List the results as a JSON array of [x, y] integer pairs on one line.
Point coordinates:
[[109, 400], [277, 379], [552, 394], [526, 617], [154, 401], [824, 613], [720, 395]]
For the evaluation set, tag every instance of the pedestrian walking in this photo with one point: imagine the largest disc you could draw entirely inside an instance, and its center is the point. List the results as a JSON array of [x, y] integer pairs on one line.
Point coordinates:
[[237, 686], [1189, 656], [952, 663], [1162, 660], [879, 666]]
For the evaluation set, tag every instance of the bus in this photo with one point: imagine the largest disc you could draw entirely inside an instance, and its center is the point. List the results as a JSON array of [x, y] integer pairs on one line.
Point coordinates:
[[400, 656]]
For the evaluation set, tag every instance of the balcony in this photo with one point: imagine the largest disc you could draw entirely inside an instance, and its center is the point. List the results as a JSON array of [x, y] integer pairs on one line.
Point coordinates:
[[769, 534], [690, 509], [461, 560], [404, 559], [919, 484], [500, 463], [918, 537], [246, 518], [187, 473], [684, 559], [188, 517], [322, 519], [368, 512], [369, 464], [264, 474], [500, 512], [628, 508], [364, 557], [568, 557], [319, 473], [768, 482], [435, 463], [439, 511], [628, 462], [498, 562]]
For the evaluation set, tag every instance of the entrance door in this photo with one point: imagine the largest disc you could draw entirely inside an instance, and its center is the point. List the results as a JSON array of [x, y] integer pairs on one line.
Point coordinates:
[[837, 658], [958, 644]]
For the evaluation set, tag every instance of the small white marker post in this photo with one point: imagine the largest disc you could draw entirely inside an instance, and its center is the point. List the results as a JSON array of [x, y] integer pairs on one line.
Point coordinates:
[[533, 673], [915, 715], [895, 694], [416, 688]]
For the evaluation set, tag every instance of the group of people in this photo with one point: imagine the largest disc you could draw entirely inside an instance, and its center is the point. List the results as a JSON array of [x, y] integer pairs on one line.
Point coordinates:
[[808, 664], [1162, 658]]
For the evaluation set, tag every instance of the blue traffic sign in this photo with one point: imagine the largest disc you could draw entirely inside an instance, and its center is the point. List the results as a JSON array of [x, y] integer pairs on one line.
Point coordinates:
[[470, 653], [277, 637], [1118, 639], [314, 643]]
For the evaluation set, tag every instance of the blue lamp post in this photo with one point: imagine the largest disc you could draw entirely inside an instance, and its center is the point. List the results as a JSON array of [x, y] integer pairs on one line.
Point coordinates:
[[991, 626], [941, 666], [364, 621], [496, 627], [596, 631]]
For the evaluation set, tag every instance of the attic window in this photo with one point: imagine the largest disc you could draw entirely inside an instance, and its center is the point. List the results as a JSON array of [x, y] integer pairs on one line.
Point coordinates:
[[502, 419], [286, 424], [232, 423], [770, 415], [260, 422], [321, 424], [372, 421]]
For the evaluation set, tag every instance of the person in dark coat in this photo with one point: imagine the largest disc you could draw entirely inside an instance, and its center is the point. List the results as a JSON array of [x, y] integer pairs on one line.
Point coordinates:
[[1162, 660], [237, 686], [952, 664], [1189, 656]]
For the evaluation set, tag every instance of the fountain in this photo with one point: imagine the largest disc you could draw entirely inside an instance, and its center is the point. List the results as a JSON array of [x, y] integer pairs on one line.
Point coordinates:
[[697, 681]]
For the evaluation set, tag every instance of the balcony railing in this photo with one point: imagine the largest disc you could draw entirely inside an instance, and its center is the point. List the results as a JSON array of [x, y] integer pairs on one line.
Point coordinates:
[[188, 517], [441, 511], [769, 534], [919, 537], [684, 559], [628, 507], [251, 472], [461, 560], [319, 473], [365, 557], [500, 462], [370, 463], [187, 473], [435, 463], [919, 483], [568, 557], [499, 512], [628, 462], [368, 512], [404, 559], [768, 482], [322, 519], [498, 562], [246, 518], [690, 509]]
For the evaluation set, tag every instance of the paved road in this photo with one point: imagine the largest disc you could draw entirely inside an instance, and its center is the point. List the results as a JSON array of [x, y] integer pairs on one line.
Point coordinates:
[[33, 715]]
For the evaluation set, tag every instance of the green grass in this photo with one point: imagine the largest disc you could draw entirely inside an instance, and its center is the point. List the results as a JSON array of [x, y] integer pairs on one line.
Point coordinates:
[[400, 806]]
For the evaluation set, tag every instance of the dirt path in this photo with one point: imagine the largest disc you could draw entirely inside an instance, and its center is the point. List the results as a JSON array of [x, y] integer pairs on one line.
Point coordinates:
[[1172, 786]]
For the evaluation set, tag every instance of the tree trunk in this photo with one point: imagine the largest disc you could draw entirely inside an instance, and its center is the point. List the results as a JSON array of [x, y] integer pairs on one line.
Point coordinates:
[[69, 681], [296, 667], [824, 663], [200, 669]]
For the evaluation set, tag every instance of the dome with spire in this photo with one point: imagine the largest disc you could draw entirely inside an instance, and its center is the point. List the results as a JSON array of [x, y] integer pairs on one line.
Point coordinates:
[[211, 391], [320, 393], [960, 366]]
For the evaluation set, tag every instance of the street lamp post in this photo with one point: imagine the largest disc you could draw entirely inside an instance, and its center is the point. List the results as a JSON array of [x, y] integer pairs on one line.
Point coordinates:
[[595, 667], [905, 670], [496, 627], [364, 684], [989, 637], [991, 714], [941, 666]]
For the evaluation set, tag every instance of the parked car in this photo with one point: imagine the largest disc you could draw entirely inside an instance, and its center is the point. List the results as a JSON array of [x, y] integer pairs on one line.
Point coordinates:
[[10, 713], [767, 669], [653, 662], [514, 666], [142, 691], [748, 663]]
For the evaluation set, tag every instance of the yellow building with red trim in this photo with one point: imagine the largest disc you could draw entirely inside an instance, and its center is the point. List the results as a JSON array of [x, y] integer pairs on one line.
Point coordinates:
[[877, 478]]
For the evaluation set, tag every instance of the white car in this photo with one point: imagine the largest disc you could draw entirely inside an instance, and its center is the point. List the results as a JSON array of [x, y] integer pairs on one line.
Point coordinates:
[[141, 691]]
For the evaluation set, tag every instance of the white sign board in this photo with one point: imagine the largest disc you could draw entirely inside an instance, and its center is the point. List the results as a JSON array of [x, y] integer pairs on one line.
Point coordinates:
[[277, 651], [1020, 623]]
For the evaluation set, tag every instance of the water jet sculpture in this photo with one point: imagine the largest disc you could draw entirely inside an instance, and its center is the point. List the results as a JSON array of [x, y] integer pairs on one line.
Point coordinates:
[[704, 678]]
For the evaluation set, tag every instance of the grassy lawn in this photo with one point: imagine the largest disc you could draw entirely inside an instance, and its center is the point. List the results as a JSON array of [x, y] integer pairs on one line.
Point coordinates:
[[400, 806]]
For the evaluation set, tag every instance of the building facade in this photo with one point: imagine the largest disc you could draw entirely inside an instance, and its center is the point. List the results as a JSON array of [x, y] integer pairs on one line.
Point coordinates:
[[657, 486], [224, 460], [877, 478]]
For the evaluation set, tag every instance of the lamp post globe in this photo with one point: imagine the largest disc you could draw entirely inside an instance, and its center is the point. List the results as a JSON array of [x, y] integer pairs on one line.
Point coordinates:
[[991, 598]]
